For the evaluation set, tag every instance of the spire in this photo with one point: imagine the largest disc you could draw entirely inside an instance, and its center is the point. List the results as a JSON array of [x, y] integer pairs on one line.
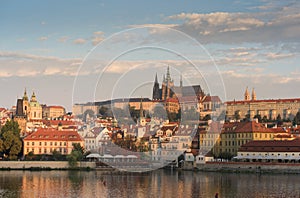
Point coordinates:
[[247, 95], [168, 74], [253, 94], [181, 80], [25, 97], [156, 81], [141, 109], [33, 97]]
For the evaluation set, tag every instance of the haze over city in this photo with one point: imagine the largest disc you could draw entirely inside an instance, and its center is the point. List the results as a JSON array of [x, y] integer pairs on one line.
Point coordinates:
[[254, 44]]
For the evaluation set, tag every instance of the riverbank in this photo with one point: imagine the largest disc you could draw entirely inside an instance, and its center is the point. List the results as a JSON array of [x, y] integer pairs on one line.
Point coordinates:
[[249, 167], [44, 165]]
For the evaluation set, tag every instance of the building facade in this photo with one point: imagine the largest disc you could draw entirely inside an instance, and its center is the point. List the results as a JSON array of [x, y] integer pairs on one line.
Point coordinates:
[[286, 108], [231, 136], [270, 151], [46, 140]]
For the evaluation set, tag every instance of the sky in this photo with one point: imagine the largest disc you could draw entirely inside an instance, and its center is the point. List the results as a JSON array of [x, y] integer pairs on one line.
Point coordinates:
[[79, 51]]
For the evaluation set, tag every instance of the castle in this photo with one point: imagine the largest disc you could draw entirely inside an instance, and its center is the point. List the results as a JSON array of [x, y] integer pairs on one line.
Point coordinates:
[[169, 90]]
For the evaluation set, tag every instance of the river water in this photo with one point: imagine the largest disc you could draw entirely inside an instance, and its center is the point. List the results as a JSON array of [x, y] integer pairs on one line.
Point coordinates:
[[160, 183]]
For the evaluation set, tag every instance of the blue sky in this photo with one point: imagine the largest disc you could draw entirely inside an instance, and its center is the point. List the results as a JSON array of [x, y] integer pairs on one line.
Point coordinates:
[[60, 48]]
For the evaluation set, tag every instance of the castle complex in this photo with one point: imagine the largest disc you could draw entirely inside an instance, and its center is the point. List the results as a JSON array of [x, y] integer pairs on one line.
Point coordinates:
[[286, 108]]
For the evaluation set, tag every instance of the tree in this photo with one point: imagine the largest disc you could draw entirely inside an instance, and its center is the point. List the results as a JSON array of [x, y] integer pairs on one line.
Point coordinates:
[[11, 143], [258, 117], [237, 115], [279, 120], [297, 119], [265, 119], [76, 155]]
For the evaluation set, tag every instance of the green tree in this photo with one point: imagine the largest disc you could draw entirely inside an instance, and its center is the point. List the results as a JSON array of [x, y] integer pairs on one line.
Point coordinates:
[[56, 155], [11, 143], [279, 120], [258, 117], [297, 119], [76, 155], [237, 115]]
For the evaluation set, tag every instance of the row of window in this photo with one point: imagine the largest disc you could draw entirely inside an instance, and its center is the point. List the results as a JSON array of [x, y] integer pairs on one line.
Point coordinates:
[[46, 143], [47, 150]]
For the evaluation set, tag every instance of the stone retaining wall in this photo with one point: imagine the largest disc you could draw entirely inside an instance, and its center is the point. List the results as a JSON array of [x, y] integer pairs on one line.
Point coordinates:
[[249, 167], [42, 164]]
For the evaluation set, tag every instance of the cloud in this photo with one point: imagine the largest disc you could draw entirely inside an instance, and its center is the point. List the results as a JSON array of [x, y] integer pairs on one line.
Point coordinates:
[[276, 25], [277, 56], [79, 41], [43, 38], [98, 37], [22, 64], [63, 39]]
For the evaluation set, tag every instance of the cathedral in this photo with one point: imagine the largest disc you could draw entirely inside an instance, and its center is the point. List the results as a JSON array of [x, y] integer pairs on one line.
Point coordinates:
[[169, 90]]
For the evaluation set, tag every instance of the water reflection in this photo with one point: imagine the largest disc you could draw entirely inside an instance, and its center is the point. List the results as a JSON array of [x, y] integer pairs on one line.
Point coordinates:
[[160, 183]]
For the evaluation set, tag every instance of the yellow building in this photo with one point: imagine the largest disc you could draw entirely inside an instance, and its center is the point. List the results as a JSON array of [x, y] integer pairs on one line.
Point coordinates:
[[46, 140], [287, 108], [232, 136]]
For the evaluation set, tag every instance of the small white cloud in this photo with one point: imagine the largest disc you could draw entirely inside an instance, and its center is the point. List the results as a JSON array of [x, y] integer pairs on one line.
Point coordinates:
[[79, 41], [63, 39], [98, 37]]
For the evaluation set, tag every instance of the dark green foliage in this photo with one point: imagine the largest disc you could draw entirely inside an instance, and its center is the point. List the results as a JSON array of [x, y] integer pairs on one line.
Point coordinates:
[[10, 141]]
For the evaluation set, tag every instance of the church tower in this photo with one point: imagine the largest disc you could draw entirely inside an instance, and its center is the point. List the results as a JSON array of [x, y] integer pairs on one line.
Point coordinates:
[[170, 84], [247, 95], [142, 120], [163, 88], [155, 93], [253, 94], [25, 103]]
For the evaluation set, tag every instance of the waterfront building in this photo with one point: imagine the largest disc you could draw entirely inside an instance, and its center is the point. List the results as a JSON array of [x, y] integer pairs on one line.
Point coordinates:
[[270, 109], [270, 151], [170, 141], [93, 137], [228, 138], [47, 140]]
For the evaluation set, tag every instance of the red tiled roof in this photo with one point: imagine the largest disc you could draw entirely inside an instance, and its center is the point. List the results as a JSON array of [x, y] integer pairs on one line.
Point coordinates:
[[272, 146], [212, 99], [53, 134], [252, 126], [56, 122], [56, 107]]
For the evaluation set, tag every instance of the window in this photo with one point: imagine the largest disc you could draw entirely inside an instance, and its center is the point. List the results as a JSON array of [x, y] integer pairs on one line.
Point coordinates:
[[45, 143], [40, 143], [32, 143]]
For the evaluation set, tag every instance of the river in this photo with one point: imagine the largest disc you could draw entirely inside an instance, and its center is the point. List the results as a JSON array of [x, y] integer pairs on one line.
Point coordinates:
[[159, 183]]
